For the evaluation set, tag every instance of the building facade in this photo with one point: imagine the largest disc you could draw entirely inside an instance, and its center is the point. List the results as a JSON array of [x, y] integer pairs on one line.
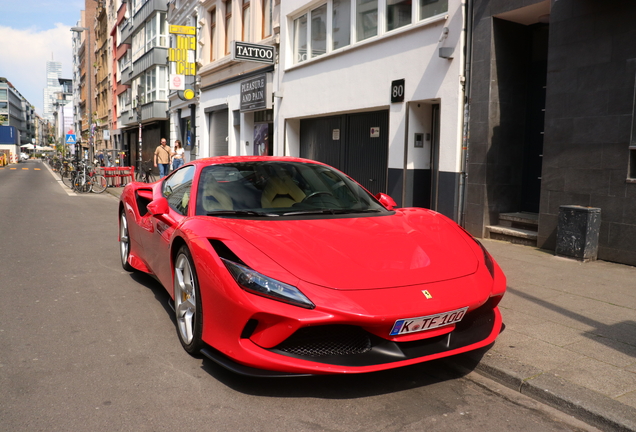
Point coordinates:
[[142, 101], [552, 120], [17, 113], [375, 88]]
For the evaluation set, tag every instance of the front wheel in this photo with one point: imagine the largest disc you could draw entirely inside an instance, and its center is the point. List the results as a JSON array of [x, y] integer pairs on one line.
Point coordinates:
[[187, 302], [124, 242], [99, 183]]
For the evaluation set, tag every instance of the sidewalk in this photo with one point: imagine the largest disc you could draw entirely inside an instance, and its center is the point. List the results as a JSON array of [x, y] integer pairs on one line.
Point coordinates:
[[570, 335]]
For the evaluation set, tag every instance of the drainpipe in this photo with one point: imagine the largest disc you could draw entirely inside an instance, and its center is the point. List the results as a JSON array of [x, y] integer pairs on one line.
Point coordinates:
[[466, 51]]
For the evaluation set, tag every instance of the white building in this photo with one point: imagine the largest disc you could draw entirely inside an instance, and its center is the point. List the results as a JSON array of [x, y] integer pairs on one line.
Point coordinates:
[[374, 87]]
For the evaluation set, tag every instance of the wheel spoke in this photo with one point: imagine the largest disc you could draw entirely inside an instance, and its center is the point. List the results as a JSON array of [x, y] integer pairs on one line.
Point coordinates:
[[185, 298]]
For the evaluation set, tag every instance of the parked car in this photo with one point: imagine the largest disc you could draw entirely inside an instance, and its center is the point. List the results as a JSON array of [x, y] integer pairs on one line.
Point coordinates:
[[24, 157], [282, 266]]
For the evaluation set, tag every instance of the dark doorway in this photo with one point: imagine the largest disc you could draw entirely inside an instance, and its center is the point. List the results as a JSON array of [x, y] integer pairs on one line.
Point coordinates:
[[356, 144], [535, 114]]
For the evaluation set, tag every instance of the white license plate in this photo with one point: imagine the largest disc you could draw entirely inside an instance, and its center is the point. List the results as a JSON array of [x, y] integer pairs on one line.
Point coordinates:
[[412, 325]]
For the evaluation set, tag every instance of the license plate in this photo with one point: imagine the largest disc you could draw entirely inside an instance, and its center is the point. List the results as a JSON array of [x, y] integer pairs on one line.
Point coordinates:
[[413, 325]]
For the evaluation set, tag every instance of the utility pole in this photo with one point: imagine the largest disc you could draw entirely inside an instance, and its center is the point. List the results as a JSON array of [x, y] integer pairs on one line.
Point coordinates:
[[138, 110]]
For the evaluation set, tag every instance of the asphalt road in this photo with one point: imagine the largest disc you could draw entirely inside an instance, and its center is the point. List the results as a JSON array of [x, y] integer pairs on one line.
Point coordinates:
[[86, 346]]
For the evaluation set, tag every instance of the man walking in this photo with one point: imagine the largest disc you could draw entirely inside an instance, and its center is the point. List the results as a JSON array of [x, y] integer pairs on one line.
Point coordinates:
[[162, 158]]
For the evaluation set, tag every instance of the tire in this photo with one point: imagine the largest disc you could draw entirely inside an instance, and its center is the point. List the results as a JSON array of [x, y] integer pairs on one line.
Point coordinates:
[[67, 178], [151, 178], [124, 242], [99, 183], [187, 302], [139, 176]]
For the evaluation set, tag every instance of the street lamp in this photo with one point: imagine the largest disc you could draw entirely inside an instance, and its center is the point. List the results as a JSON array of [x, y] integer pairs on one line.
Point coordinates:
[[87, 58]]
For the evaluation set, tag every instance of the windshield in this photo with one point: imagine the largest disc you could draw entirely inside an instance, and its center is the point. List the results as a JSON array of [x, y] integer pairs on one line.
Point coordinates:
[[275, 188]]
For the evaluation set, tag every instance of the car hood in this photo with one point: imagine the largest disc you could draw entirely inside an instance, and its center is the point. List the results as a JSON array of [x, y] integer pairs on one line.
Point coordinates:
[[409, 247]]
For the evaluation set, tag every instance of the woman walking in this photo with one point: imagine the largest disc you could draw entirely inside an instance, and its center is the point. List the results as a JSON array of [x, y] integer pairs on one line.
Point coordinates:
[[177, 155]]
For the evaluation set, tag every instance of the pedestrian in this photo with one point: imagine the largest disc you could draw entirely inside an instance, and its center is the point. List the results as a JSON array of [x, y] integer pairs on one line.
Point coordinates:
[[177, 155], [162, 158]]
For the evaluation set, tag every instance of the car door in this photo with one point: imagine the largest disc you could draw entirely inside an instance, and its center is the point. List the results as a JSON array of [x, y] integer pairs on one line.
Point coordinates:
[[177, 190]]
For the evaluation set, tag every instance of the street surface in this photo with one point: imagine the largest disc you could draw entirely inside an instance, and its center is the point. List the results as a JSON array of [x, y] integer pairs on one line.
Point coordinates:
[[86, 346]]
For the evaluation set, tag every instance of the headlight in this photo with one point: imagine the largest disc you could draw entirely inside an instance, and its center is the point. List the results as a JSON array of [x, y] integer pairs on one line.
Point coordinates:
[[262, 285]]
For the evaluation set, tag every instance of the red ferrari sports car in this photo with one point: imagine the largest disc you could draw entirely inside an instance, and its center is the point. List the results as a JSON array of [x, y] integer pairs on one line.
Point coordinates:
[[285, 266]]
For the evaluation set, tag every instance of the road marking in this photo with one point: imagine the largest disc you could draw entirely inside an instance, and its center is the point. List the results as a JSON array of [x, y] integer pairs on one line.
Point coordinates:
[[37, 169]]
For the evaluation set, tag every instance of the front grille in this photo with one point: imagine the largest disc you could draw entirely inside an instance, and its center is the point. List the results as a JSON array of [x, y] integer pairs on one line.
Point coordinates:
[[324, 341]]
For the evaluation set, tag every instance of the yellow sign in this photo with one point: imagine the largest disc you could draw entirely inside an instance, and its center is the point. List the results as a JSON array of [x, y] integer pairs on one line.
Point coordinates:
[[182, 57], [188, 94], [184, 30]]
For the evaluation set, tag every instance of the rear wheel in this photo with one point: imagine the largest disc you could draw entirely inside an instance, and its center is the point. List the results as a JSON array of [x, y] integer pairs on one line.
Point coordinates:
[[187, 302], [124, 242]]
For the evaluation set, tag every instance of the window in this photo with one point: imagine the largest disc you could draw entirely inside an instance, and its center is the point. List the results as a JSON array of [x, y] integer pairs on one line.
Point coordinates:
[[228, 27], [429, 8], [176, 188], [155, 82], [398, 13], [341, 24], [267, 18], [319, 31], [300, 39], [366, 19], [350, 22], [138, 43], [123, 62], [3, 94], [212, 33], [153, 37], [247, 21]]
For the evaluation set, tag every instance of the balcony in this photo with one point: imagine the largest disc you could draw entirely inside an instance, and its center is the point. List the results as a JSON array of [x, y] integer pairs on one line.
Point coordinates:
[[152, 111], [155, 57], [138, 20]]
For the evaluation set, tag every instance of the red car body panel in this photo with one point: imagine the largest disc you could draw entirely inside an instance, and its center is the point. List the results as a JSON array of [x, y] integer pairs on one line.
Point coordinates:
[[364, 272]]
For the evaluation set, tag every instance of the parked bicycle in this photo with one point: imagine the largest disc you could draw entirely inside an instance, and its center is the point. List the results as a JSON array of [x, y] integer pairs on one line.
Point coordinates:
[[82, 178], [145, 173]]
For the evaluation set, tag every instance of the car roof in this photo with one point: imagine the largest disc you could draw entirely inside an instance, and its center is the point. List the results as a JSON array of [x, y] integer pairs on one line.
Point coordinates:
[[236, 159]]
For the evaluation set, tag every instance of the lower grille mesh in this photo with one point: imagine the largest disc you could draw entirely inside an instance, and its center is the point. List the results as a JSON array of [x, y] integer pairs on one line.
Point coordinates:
[[323, 341]]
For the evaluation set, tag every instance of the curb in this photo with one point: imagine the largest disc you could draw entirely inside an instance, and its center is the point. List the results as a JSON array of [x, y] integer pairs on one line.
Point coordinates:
[[580, 402]]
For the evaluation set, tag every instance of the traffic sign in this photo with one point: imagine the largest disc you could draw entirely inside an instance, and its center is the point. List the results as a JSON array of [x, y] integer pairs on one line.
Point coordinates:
[[70, 139]]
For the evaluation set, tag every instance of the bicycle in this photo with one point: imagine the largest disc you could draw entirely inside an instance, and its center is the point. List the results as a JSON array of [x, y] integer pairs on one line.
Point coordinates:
[[145, 173]]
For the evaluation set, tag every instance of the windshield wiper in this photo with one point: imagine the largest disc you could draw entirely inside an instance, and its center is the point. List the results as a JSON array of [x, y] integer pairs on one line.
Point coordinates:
[[330, 211], [240, 213]]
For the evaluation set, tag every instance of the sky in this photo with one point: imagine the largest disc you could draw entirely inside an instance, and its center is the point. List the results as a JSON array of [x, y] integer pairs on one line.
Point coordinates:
[[33, 32]]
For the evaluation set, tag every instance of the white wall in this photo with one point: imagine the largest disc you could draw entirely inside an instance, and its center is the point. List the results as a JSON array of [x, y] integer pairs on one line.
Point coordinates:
[[358, 78]]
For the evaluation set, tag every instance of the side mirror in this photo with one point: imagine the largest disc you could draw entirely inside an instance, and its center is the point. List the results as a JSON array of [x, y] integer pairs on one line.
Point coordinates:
[[386, 201], [158, 207]]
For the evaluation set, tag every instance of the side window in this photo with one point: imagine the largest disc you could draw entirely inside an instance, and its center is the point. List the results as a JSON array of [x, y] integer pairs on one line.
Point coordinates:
[[176, 189]]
